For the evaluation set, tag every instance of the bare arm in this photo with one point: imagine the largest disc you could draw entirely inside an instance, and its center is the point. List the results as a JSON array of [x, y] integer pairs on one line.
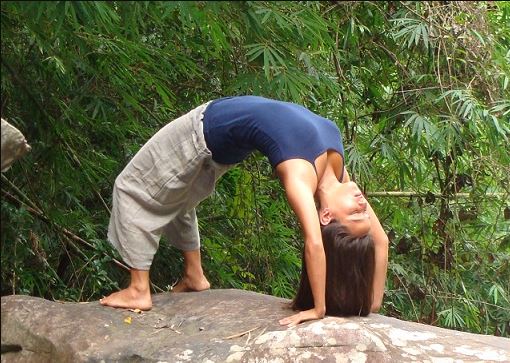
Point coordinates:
[[381, 244], [300, 181]]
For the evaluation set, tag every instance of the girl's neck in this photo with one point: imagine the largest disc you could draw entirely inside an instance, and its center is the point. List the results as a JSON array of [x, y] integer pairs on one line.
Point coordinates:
[[327, 182]]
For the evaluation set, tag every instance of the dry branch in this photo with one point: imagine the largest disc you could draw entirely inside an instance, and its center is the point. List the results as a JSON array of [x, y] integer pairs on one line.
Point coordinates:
[[241, 334], [63, 230]]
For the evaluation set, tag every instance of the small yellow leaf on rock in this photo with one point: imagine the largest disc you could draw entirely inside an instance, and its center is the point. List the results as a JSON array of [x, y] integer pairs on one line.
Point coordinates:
[[127, 320]]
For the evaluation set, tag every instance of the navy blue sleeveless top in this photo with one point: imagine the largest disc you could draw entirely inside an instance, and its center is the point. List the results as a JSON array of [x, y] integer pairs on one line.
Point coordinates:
[[236, 126]]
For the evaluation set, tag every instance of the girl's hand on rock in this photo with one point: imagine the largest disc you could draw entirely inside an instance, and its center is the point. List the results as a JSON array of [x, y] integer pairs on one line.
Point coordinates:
[[300, 317]]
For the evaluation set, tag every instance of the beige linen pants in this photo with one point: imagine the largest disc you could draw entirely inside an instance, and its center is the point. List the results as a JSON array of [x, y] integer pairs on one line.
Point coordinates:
[[158, 190]]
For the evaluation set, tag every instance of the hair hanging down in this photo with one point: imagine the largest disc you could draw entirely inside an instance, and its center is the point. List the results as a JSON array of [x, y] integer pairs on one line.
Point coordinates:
[[350, 264]]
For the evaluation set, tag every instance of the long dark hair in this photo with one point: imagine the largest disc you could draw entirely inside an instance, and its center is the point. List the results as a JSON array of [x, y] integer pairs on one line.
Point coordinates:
[[350, 264]]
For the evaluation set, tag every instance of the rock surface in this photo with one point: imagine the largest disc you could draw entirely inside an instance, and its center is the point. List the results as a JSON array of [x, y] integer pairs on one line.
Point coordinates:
[[224, 326], [13, 143]]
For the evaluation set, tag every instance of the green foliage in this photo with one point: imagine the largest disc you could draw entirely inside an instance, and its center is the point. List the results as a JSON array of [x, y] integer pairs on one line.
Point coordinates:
[[419, 90]]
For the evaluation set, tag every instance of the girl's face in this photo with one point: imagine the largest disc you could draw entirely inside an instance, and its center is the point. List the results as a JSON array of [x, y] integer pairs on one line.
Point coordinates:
[[349, 207]]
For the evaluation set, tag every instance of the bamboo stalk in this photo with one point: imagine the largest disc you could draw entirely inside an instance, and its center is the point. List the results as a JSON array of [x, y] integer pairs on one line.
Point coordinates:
[[22, 195], [398, 194], [77, 161]]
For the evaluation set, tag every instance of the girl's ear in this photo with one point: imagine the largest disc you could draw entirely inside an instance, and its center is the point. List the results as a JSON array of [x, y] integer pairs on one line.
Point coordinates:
[[325, 216]]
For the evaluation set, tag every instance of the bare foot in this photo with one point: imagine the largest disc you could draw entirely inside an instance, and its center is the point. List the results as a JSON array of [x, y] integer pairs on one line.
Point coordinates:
[[129, 298], [187, 284]]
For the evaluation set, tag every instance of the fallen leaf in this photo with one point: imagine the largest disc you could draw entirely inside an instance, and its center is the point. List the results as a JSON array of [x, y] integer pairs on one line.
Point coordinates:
[[127, 320]]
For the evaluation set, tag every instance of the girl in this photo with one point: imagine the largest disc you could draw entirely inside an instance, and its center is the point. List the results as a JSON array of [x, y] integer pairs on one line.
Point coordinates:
[[178, 167]]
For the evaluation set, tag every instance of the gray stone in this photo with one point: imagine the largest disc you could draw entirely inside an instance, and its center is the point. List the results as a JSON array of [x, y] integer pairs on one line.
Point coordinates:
[[224, 326], [14, 145]]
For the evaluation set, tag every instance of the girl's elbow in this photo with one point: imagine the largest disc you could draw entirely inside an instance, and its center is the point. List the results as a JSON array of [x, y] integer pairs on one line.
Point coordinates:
[[383, 242]]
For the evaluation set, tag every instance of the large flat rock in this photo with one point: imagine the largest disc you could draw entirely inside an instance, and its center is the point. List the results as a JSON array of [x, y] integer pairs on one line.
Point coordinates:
[[224, 326]]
